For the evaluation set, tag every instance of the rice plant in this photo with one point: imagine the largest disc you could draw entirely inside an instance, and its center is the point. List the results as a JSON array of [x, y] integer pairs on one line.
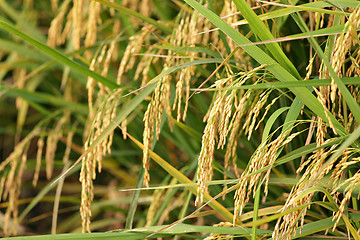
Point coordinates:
[[188, 119]]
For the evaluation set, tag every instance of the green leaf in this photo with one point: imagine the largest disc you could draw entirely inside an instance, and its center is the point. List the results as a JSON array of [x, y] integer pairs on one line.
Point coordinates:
[[58, 56], [261, 30], [141, 233]]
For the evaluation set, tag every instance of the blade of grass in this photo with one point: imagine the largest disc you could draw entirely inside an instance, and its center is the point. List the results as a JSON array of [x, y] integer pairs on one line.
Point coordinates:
[[134, 201], [44, 98], [322, 225], [262, 31], [188, 49], [317, 6], [186, 228], [184, 209], [307, 83], [275, 216], [270, 122], [256, 211], [10, 46], [87, 236], [58, 56], [140, 233], [309, 228], [316, 33]]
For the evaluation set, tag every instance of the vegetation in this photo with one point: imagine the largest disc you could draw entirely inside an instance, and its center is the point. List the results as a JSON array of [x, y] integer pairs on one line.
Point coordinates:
[[179, 119]]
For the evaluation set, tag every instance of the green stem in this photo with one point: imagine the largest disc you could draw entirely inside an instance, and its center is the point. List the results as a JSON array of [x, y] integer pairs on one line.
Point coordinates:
[[256, 211]]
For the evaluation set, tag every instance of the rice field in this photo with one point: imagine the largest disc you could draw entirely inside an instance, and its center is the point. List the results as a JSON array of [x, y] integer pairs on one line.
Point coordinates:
[[171, 119]]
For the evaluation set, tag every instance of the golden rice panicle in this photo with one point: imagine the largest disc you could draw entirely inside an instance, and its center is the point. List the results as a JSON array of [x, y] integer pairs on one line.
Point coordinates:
[[286, 226], [11, 181], [40, 148], [267, 108], [224, 117], [75, 23], [264, 156], [87, 191], [345, 41], [91, 83], [134, 47], [69, 141], [225, 125], [354, 69], [73, 26], [241, 197], [159, 104], [95, 155], [314, 170], [137, 44], [186, 34], [229, 16], [54, 5], [77, 17], [150, 57], [184, 76], [258, 104], [219, 126], [343, 45], [145, 7], [55, 31], [102, 112], [143, 67], [160, 101], [205, 170], [217, 121], [314, 165], [100, 61], [351, 183], [90, 86], [309, 68], [148, 137], [340, 168], [88, 172], [240, 101], [91, 25], [19, 76], [318, 154], [111, 51], [235, 131], [92, 22], [321, 96], [51, 145]]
